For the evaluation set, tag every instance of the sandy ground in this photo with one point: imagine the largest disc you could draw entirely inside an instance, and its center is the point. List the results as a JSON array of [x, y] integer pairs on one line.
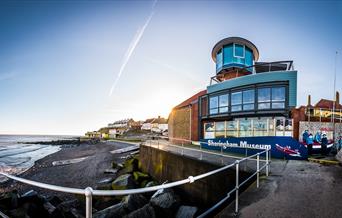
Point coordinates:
[[78, 175]]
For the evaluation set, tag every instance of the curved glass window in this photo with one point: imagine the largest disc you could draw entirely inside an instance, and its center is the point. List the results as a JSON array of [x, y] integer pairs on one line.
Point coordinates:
[[223, 103], [228, 54], [278, 97], [213, 105], [248, 58], [264, 98], [236, 101], [239, 51], [248, 100], [219, 59]]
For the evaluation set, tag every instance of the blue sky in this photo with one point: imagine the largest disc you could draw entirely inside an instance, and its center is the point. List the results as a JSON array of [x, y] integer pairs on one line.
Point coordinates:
[[59, 59]]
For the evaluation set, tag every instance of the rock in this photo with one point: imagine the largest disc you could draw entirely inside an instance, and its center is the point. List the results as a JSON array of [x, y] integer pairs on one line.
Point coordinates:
[[124, 181], [36, 210], [151, 183], [145, 212], [106, 180], [165, 203], [54, 200], [139, 176], [30, 193], [186, 212], [104, 187], [135, 201], [110, 171], [117, 210], [49, 207], [16, 213], [130, 166], [64, 209], [9, 200]]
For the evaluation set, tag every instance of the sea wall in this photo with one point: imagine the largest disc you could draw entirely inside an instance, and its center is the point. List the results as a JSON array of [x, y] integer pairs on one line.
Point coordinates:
[[166, 166]]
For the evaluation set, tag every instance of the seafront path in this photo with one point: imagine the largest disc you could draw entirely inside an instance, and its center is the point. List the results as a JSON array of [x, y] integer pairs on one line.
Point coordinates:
[[294, 188]]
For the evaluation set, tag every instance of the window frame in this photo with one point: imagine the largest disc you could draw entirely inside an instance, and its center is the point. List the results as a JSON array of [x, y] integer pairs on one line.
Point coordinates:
[[237, 56]]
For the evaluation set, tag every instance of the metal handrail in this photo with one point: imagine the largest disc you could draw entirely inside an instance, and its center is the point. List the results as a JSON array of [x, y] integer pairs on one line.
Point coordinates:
[[89, 192]]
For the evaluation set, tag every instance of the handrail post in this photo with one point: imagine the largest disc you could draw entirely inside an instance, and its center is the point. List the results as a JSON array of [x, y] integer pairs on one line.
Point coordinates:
[[201, 157], [182, 149], [267, 162], [258, 167], [237, 187], [222, 154], [88, 192]]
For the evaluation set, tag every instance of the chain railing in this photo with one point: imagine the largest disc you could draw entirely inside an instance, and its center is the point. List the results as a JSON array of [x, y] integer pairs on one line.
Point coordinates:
[[89, 192]]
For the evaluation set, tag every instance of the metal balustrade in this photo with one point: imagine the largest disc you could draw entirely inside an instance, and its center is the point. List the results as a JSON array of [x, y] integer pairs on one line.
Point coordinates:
[[89, 192]]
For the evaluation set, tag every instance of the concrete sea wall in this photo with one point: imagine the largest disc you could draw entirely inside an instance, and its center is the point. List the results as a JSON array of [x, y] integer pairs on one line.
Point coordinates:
[[166, 166]]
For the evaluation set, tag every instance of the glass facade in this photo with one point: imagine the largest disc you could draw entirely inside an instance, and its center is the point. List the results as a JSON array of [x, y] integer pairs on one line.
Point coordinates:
[[234, 54], [271, 98], [278, 126], [249, 99]]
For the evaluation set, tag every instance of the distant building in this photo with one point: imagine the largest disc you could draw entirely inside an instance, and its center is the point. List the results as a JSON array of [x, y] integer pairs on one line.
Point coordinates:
[[157, 125], [93, 134]]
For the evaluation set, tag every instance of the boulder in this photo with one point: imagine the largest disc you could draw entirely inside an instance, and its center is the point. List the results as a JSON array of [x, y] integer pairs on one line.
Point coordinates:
[[145, 212], [135, 201], [9, 200], [16, 213], [117, 210], [139, 176], [49, 207], [130, 166], [64, 209], [124, 181], [186, 212], [165, 203], [54, 200]]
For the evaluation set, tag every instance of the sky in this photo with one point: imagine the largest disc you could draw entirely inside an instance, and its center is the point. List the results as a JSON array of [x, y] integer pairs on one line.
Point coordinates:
[[67, 67]]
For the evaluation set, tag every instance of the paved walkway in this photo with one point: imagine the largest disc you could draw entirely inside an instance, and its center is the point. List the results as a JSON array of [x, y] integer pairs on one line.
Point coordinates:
[[294, 189]]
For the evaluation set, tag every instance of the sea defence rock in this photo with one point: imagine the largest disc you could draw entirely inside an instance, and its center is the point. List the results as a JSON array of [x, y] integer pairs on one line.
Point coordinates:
[[124, 181], [145, 212], [186, 212], [135, 201], [117, 210], [339, 156], [166, 203]]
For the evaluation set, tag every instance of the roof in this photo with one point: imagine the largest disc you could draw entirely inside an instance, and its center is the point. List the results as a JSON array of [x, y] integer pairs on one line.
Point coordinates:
[[193, 99], [238, 40], [159, 120], [325, 103]]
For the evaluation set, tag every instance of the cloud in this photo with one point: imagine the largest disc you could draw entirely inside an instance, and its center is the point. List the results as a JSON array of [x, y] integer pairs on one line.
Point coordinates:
[[132, 47]]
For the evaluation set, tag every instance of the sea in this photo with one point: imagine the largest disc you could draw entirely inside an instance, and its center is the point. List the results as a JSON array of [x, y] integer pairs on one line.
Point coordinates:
[[16, 157]]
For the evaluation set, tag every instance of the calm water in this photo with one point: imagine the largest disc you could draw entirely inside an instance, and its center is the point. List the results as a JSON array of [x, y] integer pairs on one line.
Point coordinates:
[[16, 158]]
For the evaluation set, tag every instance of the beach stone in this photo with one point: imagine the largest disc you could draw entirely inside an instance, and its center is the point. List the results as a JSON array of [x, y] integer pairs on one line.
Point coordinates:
[[165, 203], [49, 207], [186, 212], [106, 180], [9, 200], [139, 176], [124, 181], [110, 171], [135, 201], [145, 212], [54, 200], [30, 193], [117, 210]]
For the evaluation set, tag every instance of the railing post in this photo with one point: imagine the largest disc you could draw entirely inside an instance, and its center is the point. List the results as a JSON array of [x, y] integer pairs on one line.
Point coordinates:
[[182, 149], [88, 192], [201, 157], [267, 162], [222, 154], [258, 167], [237, 187]]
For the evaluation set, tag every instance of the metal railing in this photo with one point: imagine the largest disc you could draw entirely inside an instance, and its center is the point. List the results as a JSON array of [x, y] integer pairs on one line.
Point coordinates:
[[89, 192]]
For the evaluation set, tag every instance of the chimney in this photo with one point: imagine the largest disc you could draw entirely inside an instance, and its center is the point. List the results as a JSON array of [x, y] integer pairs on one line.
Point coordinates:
[[309, 100], [337, 98]]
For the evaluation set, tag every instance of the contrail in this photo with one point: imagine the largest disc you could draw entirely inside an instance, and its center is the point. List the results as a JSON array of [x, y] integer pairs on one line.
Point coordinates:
[[132, 47]]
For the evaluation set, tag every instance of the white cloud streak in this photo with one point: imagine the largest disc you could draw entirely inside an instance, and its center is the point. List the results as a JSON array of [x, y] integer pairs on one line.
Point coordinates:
[[132, 47]]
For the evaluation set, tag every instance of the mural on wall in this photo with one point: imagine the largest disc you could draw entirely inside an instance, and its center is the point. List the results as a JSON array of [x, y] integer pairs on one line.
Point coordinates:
[[280, 146]]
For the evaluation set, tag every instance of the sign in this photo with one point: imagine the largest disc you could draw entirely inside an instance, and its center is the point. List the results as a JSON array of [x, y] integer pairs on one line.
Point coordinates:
[[280, 146]]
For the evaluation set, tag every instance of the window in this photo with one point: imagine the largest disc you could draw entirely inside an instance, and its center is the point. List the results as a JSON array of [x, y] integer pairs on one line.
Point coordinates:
[[219, 129], [264, 98], [219, 104], [271, 98], [236, 101], [248, 100], [219, 59], [278, 97], [213, 105], [239, 51], [228, 54], [223, 103]]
